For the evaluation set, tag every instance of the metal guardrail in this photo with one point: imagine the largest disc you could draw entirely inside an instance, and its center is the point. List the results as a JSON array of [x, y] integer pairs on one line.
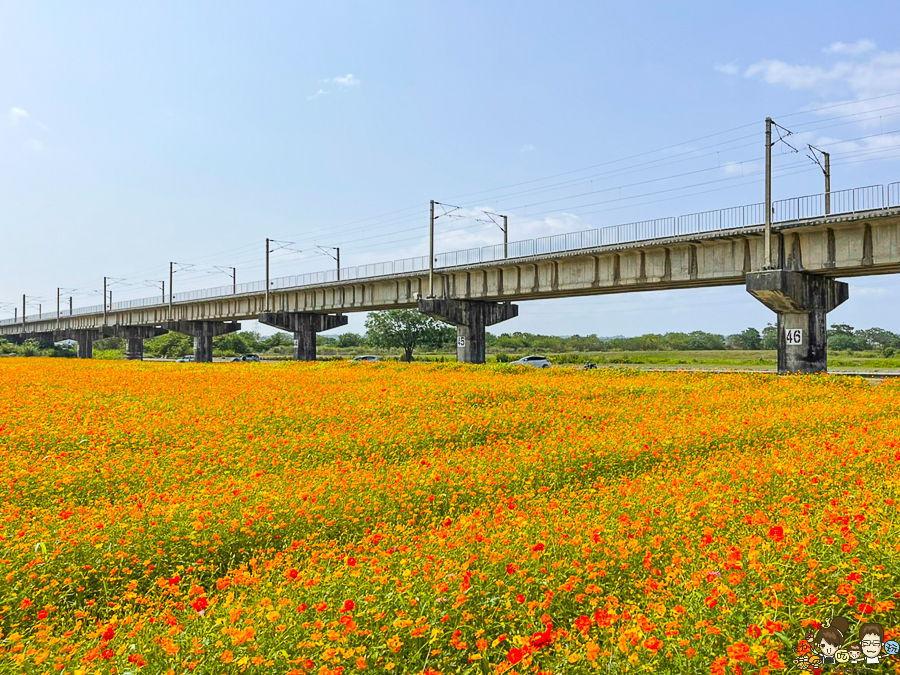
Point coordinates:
[[853, 200]]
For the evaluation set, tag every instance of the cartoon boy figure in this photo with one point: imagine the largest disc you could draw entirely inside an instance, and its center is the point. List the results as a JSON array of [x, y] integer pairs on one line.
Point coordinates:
[[871, 639], [855, 652]]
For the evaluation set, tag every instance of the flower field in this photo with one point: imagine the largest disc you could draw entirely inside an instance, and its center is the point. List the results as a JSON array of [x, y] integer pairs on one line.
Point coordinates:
[[334, 518]]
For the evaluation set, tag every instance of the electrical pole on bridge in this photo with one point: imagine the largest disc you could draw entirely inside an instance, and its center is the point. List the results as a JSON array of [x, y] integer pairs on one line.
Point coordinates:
[[826, 169]]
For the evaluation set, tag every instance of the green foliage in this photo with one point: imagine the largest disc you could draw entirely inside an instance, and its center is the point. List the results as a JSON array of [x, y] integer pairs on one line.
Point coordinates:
[[350, 340], [171, 345], [109, 344], [405, 329], [746, 339], [243, 342], [273, 342], [770, 337]]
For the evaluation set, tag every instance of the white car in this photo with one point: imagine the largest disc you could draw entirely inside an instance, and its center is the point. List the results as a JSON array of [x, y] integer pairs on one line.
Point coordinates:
[[533, 361], [366, 359]]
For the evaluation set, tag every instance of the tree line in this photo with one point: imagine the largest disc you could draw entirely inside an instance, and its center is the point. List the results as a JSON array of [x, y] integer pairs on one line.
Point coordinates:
[[408, 330]]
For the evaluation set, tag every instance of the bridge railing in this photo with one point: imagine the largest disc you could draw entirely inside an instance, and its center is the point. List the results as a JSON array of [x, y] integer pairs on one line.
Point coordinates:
[[893, 195], [854, 200]]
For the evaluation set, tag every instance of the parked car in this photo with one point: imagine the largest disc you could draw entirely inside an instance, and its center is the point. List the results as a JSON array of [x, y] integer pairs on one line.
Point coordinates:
[[533, 361], [246, 358], [366, 359], [237, 359], [185, 359]]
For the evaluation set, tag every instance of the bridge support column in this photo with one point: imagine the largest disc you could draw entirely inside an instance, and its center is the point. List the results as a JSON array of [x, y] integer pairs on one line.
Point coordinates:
[[470, 318], [85, 338], [801, 301], [304, 326], [203, 333], [134, 338]]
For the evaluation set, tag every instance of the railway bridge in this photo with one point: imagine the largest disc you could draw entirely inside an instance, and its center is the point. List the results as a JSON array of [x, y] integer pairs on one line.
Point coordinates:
[[816, 240]]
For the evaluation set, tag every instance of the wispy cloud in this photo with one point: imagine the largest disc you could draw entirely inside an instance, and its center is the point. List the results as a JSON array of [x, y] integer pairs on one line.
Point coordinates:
[[346, 81], [34, 145], [878, 74], [851, 49], [16, 115], [528, 147], [727, 68]]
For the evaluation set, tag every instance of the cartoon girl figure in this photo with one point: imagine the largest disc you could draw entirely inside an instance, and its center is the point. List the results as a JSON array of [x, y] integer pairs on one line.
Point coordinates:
[[871, 639], [829, 639], [855, 652]]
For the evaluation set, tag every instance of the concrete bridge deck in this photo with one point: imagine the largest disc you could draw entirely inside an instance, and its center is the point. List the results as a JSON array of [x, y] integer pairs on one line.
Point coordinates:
[[715, 248]]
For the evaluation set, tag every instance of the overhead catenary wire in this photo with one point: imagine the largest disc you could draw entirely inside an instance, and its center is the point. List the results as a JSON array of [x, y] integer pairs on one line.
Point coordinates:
[[401, 216]]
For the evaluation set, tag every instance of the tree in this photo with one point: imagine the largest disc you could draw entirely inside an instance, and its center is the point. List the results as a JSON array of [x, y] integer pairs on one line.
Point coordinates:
[[349, 340], [110, 343], [746, 339], [405, 329], [171, 345], [770, 337], [279, 339], [842, 337]]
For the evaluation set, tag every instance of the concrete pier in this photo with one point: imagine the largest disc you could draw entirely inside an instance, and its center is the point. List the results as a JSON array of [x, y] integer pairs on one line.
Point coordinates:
[[470, 318], [84, 337], [304, 326], [203, 333], [134, 338], [801, 301]]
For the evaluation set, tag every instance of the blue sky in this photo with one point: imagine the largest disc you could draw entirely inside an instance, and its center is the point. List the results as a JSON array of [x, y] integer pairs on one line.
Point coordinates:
[[133, 135]]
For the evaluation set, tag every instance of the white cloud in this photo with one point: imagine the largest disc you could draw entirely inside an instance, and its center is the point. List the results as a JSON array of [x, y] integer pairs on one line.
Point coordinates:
[[875, 76], [34, 145], [319, 93], [17, 114], [346, 81], [727, 68], [851, 49], [528, 147]]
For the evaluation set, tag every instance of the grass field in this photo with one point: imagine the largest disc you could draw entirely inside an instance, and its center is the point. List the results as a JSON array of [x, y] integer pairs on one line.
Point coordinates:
[[332, 517]]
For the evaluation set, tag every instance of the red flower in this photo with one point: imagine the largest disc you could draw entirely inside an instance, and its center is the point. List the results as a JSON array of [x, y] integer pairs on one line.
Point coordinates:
[[537, 547], [109, 633], [351, 562], [349, 606], [776, 533], [583, 623], [541, 639], [865, 608], [200, 603], [520, 598], [292, 573], [514, 655], [809, 600], [653, 644], [308, 664], [174, 580], [301, 607], [773, 627], [711, 602], [511, 568], [753, 631], [42, 614], [106, 654], [739, 651]]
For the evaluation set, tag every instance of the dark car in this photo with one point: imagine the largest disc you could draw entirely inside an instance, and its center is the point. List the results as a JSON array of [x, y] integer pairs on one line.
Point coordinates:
[[246, 358]]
